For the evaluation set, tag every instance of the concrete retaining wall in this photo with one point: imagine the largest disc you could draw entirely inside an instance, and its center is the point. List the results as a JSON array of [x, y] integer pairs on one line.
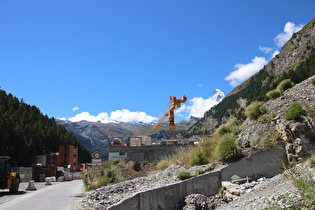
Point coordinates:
[[163, 198], [149, 153], [264, 164]]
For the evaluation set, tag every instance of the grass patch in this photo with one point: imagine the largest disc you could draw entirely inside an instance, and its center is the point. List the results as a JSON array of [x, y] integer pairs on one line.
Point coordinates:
[[107, 175], [165, 163], [273, 94], [227, 149], [284, 85], [295, 112], [199, 159], [304, 182], [255, 109], [232, 126], [184, 175]]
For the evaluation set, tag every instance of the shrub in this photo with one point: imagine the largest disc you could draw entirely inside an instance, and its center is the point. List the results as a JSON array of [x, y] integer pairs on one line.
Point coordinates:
[[284, 85], [273, 94], [255, 109], [184, 175], [295, 112], [222, 129], [227, 149], [107, 175], [199, 159], [232, 126], [313, 82]]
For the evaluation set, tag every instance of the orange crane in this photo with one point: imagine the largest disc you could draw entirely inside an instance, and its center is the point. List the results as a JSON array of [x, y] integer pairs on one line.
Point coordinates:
[[174, 103]]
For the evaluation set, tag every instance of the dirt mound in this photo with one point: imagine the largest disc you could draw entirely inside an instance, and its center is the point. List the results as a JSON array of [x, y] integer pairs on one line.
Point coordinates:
[[133, 169]]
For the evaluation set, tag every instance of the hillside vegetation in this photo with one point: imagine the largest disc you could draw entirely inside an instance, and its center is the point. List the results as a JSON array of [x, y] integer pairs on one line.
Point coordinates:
[[296, 62], [25, 132]]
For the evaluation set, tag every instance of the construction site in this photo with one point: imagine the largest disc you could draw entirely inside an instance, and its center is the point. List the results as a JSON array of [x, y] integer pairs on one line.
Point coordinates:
[[143, 148]]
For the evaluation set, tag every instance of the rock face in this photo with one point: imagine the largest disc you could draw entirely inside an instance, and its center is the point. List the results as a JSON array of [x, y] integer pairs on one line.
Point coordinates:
[[272, 127], [299, 46]]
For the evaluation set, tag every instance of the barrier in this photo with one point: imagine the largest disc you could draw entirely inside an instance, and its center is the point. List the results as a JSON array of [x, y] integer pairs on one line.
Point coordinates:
[[264, 164], [31, 185], [48, 181]]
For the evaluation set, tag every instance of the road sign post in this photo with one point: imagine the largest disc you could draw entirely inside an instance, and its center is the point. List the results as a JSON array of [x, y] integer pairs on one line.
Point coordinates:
[[96, 162]]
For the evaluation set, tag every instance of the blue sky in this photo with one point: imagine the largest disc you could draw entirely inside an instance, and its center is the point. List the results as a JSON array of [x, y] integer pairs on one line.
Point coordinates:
[[120, 60]]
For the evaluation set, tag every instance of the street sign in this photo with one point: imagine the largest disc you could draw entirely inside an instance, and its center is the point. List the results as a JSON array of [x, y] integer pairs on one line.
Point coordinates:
[[96, 169], [96, 161], [96, 155]]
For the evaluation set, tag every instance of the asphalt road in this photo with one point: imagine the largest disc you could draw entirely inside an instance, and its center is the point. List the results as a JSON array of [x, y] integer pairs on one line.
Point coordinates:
[[63, 195]]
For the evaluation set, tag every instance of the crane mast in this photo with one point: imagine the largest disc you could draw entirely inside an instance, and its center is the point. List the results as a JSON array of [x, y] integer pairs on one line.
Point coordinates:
[[106, 135], [174, 103]]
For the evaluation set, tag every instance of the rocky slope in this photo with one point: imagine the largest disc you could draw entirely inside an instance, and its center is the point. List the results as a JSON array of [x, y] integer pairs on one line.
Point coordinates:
[[293, 53], [278, 192], [272, 127]]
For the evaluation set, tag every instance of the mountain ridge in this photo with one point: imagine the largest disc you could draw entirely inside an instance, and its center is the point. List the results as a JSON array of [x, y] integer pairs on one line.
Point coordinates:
[[293, 62]]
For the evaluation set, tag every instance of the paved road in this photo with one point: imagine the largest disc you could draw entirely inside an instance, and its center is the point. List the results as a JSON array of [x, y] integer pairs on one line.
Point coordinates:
[[64, 195]]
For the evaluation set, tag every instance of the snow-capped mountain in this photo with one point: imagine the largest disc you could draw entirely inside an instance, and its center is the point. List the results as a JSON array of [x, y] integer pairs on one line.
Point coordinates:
[[218, 96], [198, 105]]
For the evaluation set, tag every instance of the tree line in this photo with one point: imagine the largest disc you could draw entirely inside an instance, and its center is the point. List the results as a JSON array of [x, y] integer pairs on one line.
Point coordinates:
[[25, 132]]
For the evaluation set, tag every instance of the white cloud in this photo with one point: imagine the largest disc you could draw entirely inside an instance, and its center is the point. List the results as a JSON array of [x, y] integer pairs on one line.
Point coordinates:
[[200, 85], [63, 118], [276, 52], [289, 29], [244, 71], [103, 117], [266, 50], [198, 105], [75, 109], [123, 115]]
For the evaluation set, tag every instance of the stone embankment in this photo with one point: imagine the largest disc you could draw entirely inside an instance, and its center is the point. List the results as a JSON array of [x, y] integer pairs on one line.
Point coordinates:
[[107, 196], [278, 192], [298, 136]]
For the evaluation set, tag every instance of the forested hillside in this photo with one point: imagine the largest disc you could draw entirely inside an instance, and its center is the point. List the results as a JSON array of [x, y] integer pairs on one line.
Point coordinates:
[[25, 132]]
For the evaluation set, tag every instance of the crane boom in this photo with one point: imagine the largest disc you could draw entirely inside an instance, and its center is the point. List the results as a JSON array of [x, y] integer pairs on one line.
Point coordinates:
[[175, 103], [104, 135], [161, 120]]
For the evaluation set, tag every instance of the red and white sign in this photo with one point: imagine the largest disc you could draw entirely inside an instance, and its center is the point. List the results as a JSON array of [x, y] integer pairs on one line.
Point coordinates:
[[96, 155], [96, 169]]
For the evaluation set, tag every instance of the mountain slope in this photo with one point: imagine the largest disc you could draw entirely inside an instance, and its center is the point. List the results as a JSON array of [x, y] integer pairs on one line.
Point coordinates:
[[295, 61]]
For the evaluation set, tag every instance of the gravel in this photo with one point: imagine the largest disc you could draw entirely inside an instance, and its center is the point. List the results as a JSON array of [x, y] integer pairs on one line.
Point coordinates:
[[108, 195], [273, 193]]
